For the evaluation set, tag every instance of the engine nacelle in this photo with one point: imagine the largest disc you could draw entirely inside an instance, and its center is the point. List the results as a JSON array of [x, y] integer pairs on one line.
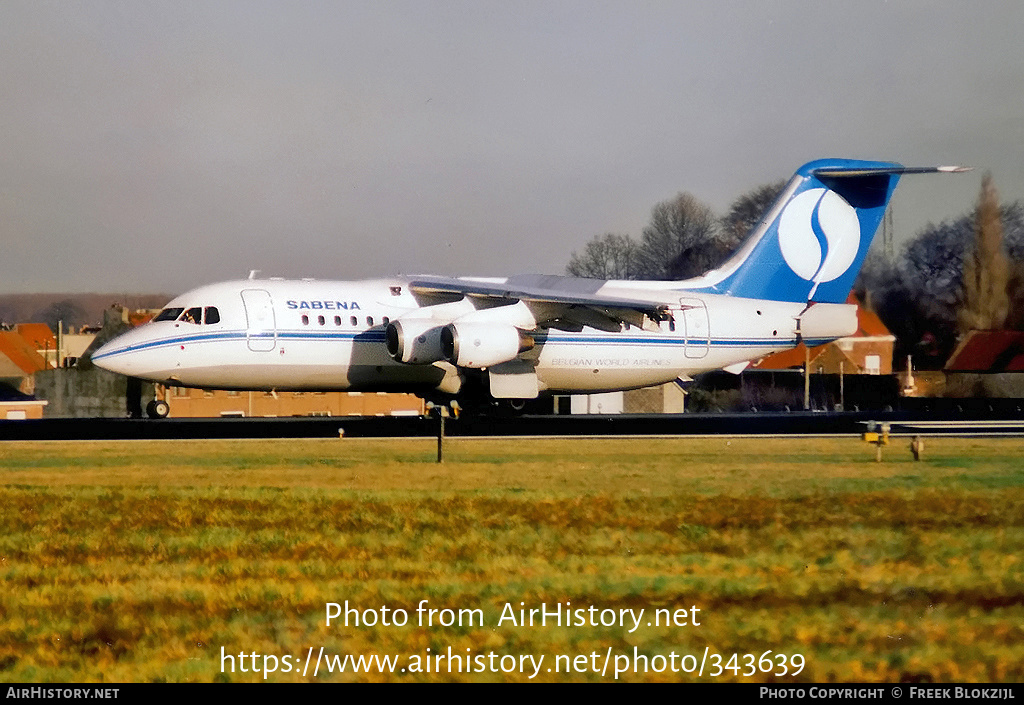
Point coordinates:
[[415, 341], [480, 345]]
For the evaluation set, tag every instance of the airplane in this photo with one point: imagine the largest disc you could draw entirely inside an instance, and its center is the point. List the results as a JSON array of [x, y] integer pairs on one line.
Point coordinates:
[[483, 342]]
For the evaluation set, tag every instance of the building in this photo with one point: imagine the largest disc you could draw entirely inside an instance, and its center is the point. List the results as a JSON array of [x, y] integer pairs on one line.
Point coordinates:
[[19, 363], [73, 344], [664, 399], [987, 363], [42, 339], [17, 406], [77, 388], [191, 403]]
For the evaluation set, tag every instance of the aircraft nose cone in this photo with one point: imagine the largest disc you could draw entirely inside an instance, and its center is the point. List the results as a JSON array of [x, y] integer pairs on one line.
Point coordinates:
[[136, 353], [121, 354], [104, 359]]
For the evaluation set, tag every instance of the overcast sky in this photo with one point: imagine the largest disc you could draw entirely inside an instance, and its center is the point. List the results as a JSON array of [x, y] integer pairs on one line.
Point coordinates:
[[155, 146]]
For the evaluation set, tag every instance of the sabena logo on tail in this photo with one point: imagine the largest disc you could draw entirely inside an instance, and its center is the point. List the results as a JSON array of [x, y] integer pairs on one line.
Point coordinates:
[[819, 235], [811, 243]]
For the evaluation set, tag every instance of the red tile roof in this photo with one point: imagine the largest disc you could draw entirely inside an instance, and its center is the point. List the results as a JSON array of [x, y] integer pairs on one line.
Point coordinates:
[[785, 359], [21, 352], [869, 324], [989, 351], [137, 318], [37, 334]]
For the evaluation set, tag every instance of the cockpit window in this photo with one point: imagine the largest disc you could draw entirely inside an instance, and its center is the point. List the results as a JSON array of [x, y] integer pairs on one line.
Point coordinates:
[[168, 314], [193, 315], [196, 314]]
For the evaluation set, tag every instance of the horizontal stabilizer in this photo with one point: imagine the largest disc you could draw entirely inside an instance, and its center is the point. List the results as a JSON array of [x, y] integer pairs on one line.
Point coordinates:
[[850, 172]]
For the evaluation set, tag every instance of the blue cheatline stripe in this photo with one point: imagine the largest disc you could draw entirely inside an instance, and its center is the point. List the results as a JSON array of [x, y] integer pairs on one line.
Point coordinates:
[[377, 337], [702, 342], [360, 336], [166, 342]]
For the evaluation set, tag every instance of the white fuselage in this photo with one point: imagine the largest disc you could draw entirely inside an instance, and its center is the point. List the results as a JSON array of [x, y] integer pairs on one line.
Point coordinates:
[[327, 335], [524, 335]]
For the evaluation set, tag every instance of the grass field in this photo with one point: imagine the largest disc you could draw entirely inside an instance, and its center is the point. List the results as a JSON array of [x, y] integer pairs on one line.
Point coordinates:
[[150, 561]]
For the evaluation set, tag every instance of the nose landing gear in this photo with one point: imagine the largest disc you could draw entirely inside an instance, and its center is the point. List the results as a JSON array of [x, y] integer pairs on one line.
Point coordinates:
[[157, 409]]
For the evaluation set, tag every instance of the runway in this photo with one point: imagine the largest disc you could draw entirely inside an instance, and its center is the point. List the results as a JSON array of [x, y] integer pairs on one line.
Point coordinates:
[[981, 423]]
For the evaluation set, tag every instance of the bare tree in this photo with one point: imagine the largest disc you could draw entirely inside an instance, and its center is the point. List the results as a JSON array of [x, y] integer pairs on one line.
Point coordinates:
[[920, 303], [876, 277], [608, 256], [748, 210], [681, 240], [65, 312]]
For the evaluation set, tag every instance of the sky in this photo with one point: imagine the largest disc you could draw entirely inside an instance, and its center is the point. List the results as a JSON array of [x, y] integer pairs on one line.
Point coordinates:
[[157, 146]]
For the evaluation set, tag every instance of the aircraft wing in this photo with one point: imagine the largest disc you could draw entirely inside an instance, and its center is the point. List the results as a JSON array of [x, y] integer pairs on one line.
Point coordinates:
[[570, 301]]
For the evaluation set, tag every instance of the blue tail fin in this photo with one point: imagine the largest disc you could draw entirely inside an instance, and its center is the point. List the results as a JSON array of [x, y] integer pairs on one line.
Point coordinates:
[[813, 240]]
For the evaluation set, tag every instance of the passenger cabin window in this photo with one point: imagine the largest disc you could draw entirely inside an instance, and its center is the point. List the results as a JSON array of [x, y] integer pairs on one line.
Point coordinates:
[[354, 321], [169, 314], [369, 321], [337, 320], [320, 320], [305, 320]]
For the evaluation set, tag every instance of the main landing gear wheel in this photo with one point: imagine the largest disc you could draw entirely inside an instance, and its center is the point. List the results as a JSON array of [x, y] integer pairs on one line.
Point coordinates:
[[158, 409]]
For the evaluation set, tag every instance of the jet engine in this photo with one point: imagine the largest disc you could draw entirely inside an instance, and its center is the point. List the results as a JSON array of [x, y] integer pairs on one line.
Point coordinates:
[[480, 345], [415, 341]]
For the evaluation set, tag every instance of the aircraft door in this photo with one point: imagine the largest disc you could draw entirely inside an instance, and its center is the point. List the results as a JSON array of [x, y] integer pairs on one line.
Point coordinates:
[[698, 333], [260, 325]]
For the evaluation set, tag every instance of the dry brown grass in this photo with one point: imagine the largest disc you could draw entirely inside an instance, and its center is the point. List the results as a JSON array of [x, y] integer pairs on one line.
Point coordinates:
[[138, 561]]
